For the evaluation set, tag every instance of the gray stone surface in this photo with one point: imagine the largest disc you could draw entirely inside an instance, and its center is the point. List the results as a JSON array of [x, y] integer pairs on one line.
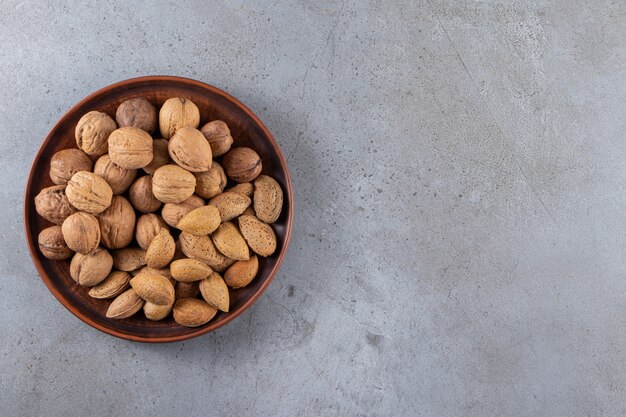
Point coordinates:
[[460, 174]]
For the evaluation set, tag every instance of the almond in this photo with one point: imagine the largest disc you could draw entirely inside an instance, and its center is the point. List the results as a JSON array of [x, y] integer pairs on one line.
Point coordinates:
[[186, 290], [173, 212], [112, 286], [245, 188], [268, 199], [164, 272], [248, 212], [191, 312], [129, 259], [125, 305], [200, 221], [203, 249], [230, 204], [215, 292], [230, 242], [156, 312], [188, 270], [153, 288], [258, 235], [161, 250], [241, 273]]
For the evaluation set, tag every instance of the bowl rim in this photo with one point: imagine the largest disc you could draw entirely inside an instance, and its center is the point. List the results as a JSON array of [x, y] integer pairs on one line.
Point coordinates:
[[67, 302]]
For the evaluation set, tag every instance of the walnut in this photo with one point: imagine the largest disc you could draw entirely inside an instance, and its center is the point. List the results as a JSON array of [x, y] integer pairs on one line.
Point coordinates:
[[172, 184], [173, 212], [212, 182], [117, 177], [190, 150], [52, 204], [160, 156], [177, 113], [52, 245], [89, 192], [130, 147], [66, 163], [148, 226], [117, 224], [92, 132], [139, 113], [242, 164], [218, 135], [81, 232], [91, 269], [141, 196]]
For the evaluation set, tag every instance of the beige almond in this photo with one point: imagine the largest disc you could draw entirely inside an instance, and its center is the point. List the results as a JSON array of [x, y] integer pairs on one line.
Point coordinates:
[[173, 212], [129, 259], [161, 250], [259, 236], [229, 241], [245, 188], [186, 290], [268, 199], [148, 226], [52, 204], [241, 273], [153, 288], [91, 269], [200, 221], [156, 312], [191, 312], [203, 249], [112, 286], [81, 232], [189, 270], [230, 204], [173, 184], [249, 212], [125, 305], [215, 292], [164, 272]]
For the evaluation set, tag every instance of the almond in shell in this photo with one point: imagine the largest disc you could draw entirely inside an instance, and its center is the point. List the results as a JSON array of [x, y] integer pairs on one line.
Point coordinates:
[[245, 188], [148, 226], [268, 199], [189, 270], [200, 221], [125, 305], [129, 258], [241, 273], [230, 204], [161, 250], [112, 286], [203, 249], [230, 242], [156, 312], [173, 212], [258, 235], [215, 292], [153, 288], [191, 312]]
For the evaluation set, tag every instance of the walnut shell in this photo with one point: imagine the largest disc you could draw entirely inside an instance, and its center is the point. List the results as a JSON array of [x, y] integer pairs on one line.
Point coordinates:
[[141, 196], [66, 163], [139, 113], [212, 182], [89, 192], [81, 232], [148, 226], [173, 212], [242, 164], [91, 269], [52, 244], [218, 135], [189, 149], [130, 147], [244, 188], [118, 178], [177, 113], [172, 184], [92, 132], [52, 204], [160, 156], [117, 224]]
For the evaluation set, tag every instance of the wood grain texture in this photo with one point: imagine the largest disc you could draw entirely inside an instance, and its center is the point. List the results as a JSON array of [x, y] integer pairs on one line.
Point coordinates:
[[246, 129]]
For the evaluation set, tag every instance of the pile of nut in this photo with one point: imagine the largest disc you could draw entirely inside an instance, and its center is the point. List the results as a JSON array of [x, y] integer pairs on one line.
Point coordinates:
[[151, 224]]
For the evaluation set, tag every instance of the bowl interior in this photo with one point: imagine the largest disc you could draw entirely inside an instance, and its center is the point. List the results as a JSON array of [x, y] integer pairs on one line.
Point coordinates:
[[246, 129]]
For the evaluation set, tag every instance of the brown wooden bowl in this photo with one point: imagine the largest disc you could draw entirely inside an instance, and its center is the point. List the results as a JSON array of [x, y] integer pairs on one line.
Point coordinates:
[[247, 130]]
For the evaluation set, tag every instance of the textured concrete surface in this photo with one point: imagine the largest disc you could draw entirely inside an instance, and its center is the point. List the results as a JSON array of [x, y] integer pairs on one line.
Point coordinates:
[[460, 176]]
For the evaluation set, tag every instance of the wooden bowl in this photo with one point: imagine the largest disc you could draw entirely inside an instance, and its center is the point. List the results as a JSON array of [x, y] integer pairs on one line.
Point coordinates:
[[247, 130]]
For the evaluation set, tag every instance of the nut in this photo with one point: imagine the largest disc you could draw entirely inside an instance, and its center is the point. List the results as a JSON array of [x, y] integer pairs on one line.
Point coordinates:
[[212, 182], [81, 232], [268, 199], [228, 240], [173, 212], [129, 259], [241, 273], [218, 135], [52, 244], [160, 156], [92, 132], [130, 147], [215, 292], [125, 305], [245, 188], [156, 312], [148, 226], [66, 163], [189, 149], [177, 113], [258, 235], [112, 286], [172, 184], [52, 204], [186, 290], [117, 224], [118, 178], [242, 164], [139, 113], [249, 211], [189, 270], [91, 269], [153, 288], [191, 312], [230, 205], [141, 196], [203, 249], [200, 221], [89, 192], [161, 250]]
